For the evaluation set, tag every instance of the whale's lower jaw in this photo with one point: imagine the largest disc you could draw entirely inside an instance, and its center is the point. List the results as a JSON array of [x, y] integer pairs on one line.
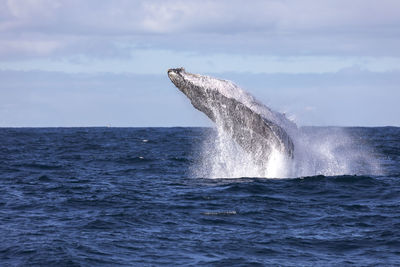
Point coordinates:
[[256, 134]]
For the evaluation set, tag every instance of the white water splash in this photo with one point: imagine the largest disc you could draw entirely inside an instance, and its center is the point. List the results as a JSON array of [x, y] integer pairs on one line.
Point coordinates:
[[318, 151], [332, 151], [222, 157]]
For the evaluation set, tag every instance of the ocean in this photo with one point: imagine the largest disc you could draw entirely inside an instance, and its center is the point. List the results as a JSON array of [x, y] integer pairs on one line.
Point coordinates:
[[169, 196]]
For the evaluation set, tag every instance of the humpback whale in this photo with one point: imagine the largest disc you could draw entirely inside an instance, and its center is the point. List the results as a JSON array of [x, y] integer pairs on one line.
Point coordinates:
[[255, 127]]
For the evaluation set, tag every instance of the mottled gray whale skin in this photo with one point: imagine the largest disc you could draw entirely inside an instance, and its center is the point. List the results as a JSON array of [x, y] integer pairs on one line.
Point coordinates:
[[256, 128]]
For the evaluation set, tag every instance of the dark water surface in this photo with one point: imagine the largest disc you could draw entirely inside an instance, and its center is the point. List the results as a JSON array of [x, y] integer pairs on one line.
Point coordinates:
[[125, 197]]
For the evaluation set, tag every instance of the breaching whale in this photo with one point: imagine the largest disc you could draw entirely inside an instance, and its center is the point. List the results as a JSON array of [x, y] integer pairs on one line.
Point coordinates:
[[255, 127]]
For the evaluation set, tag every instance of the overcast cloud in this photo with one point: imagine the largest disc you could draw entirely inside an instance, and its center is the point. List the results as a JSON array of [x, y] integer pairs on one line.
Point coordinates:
[[99, 28]]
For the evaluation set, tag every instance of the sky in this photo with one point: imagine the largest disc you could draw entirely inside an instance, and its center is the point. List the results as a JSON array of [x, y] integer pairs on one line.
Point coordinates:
[[99, 62]]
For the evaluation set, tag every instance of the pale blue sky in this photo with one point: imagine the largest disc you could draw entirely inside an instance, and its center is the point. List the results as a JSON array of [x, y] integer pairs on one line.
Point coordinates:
[[98, 62]]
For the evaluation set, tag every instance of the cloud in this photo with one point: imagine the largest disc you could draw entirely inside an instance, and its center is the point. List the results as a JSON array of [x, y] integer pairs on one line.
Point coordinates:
[[178, 16], [99, 28]]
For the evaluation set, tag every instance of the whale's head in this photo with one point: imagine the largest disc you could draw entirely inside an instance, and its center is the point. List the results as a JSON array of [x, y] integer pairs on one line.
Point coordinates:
[[192, 86], [201, 86], [187, 82], [205, 92]]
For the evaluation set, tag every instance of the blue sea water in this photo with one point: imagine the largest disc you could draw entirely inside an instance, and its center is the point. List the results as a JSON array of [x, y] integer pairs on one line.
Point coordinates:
[[127, 197]]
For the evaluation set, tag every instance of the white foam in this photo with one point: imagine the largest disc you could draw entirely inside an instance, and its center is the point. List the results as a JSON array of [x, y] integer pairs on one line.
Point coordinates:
[[319, 152], [330, 152]]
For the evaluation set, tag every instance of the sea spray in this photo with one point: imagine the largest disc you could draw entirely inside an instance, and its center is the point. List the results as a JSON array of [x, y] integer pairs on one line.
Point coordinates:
[[221, 157], [332, 151], [325, 151]]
